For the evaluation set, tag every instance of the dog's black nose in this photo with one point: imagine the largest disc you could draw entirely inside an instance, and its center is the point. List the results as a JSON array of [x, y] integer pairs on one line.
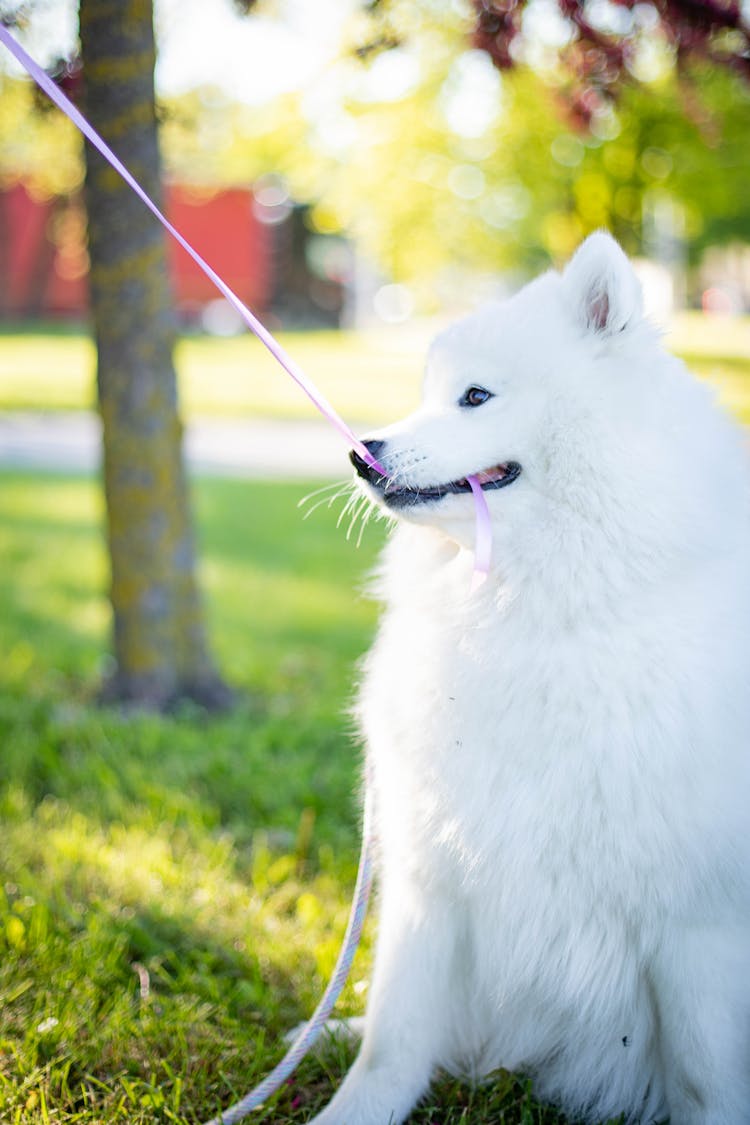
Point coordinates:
[[374, 448]]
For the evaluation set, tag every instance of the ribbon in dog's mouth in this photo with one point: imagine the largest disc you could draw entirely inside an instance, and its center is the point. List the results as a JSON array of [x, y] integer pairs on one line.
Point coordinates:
[[403, 496]]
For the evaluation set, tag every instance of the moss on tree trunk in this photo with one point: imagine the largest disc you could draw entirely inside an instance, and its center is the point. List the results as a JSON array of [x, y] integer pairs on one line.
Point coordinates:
[[160, 645]]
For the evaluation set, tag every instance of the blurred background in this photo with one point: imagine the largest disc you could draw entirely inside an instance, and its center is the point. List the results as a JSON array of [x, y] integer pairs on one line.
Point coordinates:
[[355, 164], [178, 643]]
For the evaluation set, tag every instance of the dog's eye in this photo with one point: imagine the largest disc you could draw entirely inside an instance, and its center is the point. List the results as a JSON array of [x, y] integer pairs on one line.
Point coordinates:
[[474, 396]]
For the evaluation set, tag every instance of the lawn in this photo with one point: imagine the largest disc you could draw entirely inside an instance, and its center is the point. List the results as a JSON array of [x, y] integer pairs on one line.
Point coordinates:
[[174, 890], [369, 377]]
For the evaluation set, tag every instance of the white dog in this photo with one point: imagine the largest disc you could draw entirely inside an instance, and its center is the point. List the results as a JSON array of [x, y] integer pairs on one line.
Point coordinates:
[[561, 761]]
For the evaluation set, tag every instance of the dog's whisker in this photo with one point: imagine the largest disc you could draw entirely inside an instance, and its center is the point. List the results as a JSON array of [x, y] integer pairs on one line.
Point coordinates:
[[357, 512], [319, 491], [353, 499], [341, 489], [349, 487], [327, 502], [370, 510]]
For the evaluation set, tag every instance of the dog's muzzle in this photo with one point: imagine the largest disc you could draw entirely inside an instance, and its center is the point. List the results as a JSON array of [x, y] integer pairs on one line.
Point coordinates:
[[403, 496]]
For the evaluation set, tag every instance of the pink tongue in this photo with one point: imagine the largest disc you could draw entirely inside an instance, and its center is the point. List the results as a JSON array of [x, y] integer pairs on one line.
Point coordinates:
[[489, 475]]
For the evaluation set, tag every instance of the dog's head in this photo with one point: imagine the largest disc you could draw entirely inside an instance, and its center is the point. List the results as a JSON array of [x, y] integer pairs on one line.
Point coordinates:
[[564, 406], [490, 382]]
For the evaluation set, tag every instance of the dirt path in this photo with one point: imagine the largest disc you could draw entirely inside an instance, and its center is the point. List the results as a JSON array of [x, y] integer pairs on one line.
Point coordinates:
[[70, 442]]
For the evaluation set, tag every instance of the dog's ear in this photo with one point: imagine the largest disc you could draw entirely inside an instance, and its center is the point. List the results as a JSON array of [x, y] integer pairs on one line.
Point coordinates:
[[600, 287]]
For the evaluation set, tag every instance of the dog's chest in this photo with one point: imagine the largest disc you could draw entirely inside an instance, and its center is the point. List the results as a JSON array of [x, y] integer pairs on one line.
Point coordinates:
[[527, 764]]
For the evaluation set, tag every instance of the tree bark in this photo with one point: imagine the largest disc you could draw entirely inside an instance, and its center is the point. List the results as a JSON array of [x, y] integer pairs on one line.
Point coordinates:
[[160, 646]]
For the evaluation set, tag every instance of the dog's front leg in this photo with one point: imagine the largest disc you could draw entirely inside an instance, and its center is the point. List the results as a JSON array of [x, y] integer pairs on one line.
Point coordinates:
[[406, 1019], [702, 990]]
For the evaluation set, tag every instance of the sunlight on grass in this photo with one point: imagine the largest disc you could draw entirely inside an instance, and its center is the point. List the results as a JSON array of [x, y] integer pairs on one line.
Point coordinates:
[[691, 333], [143, 937], [368, 377], [261, 910], [44, 372]]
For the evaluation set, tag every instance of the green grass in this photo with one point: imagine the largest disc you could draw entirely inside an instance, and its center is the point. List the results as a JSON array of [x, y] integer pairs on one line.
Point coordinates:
[[173, 891], [369, 377]]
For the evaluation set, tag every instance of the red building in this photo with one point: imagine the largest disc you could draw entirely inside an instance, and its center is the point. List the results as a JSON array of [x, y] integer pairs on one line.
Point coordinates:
[[259, 251]]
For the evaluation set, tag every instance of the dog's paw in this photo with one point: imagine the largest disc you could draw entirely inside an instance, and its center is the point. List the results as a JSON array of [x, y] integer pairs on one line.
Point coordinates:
[[379, 1095]]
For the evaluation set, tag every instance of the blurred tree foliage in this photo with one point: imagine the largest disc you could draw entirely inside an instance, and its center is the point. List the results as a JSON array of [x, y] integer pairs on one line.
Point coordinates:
[[436, 161], [601, 45], [38, 144]]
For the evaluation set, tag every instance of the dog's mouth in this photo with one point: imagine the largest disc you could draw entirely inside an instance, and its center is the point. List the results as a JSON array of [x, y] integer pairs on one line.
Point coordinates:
[[400, 496]]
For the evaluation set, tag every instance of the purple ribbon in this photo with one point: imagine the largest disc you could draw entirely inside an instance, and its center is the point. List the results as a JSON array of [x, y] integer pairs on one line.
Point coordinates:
[[482, 534], [483, 546]]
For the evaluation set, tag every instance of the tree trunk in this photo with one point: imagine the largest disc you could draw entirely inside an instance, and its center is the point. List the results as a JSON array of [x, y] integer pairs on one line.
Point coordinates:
[[160, 646]]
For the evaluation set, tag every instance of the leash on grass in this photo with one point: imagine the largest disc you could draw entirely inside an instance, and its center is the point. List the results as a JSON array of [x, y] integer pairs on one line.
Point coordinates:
[[312, 1029], [482, 553]]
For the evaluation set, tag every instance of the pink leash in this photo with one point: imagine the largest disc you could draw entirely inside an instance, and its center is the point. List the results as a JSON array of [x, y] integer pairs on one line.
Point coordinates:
[[63, 102], [316, 1024], [482, 554]]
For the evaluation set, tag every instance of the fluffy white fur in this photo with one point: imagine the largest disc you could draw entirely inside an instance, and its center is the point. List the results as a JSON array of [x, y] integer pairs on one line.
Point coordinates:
[[561, 761]]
